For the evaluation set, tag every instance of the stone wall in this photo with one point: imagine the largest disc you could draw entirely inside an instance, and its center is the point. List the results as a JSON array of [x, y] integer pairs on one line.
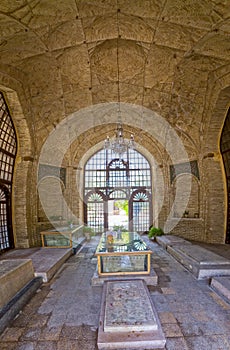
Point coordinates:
[[167, 64]]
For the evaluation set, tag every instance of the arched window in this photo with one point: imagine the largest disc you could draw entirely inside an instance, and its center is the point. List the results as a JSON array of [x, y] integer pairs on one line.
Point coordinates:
[[112, 183], [225, 150], [8, 150]]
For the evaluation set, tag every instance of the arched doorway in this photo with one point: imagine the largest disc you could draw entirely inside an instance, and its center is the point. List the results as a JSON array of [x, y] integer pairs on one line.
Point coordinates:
[[120, 182], [225, 150], [8, 149]]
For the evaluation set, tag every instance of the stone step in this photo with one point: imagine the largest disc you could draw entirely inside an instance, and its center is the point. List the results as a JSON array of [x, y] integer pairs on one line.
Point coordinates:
[[128, 317], [150, 280], [222, 286]]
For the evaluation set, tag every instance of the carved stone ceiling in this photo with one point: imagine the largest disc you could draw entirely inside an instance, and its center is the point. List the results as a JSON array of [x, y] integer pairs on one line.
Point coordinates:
[[65, 53]]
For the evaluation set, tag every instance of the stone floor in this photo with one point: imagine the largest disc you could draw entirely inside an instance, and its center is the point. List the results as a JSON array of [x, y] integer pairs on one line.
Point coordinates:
[[64, 313]]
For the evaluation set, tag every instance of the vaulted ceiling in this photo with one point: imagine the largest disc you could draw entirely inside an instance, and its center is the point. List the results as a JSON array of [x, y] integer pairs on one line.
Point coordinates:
[[70, 54]]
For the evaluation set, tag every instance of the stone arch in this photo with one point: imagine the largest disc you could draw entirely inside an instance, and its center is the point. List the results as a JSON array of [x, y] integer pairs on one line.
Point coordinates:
[[213, 176], [54, 210], [22, 221], [193, 205]]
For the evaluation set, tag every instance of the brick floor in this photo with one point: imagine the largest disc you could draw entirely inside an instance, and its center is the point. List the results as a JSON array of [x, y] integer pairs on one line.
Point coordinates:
[[64, 313]]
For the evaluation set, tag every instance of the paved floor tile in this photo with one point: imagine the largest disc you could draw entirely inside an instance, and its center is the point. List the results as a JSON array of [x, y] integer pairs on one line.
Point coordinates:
[[64, 313], [11, 334]]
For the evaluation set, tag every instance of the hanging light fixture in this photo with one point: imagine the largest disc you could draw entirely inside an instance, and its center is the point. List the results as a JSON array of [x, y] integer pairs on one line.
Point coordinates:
[[119, 145]]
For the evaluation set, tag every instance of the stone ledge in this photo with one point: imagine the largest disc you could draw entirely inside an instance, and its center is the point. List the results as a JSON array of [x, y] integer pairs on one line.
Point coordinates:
[[150, 280]]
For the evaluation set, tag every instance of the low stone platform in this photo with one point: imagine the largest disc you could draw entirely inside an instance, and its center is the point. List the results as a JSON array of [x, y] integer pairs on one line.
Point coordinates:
[[150, 280], [128, 317], [170, 240], [14, 275], [222, 286], [199, 261], [46, 261]]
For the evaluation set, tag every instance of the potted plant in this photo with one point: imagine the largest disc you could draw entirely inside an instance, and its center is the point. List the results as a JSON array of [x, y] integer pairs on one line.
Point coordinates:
[[186, 213], [154, 232], [88, 232]]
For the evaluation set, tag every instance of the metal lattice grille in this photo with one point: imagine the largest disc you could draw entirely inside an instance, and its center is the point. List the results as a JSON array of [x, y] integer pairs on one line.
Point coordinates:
[[4, 238], [8, 149], [118, 179]]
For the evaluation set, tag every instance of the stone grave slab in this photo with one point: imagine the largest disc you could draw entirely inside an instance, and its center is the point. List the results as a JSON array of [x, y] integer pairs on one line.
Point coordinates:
[[14, 275], [47, 261], [201, 262], [170, 240], [222, 286], [128, 317]]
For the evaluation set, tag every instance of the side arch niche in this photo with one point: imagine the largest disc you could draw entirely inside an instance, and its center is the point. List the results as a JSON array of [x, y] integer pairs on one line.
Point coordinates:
[[192, 197]]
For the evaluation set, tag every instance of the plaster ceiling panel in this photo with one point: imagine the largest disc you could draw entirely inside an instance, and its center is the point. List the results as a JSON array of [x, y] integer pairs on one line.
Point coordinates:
[[214, 45], [224, 27], [160, 66], [136, 28], [109, 93], [62, 35], [100, 27], [105, 92], [9, 27], [177, 36], [89, 8], [76, 99], [131, 59], [193, 61], [74, 67], [110, 26], [193, 13], [157, 101], [130, 93], [103, 61], [187, 87], [142, 8], [52, 12], [47, 112], [43, 77], [21, 46], [11, 5]]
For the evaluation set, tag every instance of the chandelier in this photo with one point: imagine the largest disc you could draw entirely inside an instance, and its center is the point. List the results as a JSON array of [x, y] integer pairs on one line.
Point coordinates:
[[119, 145]]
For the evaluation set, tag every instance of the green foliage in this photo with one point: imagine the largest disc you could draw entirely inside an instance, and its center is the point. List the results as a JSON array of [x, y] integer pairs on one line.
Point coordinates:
[[119, 227], [88, 229], [123, 204], [155, 231]]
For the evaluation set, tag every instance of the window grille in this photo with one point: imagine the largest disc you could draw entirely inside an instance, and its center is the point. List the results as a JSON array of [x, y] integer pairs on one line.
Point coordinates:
[[118, 179], [8, 150]]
